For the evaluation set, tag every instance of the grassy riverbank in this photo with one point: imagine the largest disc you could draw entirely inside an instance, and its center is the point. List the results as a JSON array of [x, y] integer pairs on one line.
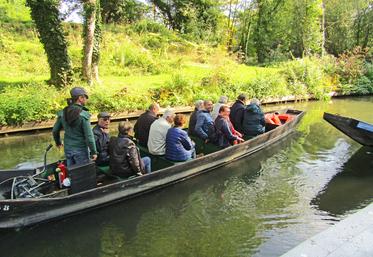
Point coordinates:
[[146, 62]]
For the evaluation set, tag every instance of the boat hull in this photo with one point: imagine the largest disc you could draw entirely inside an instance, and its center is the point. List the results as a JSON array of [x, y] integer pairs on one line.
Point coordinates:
[[25, 212], [357, 130]]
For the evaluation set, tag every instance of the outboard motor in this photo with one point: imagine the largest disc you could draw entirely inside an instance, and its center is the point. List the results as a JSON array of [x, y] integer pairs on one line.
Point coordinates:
[[29, 186]]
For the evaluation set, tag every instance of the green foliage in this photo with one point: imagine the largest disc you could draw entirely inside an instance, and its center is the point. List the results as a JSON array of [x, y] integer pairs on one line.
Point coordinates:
[[115, 101], [30, 102], [196, 18], [45, 13], [177, 91], [307, 76], [122, 11]]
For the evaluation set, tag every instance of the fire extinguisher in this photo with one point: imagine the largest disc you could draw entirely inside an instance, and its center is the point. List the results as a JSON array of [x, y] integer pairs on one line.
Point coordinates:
[[61, 172]]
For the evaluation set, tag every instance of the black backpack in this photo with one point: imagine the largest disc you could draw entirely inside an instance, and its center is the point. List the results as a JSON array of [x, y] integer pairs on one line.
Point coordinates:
[[212, 133]]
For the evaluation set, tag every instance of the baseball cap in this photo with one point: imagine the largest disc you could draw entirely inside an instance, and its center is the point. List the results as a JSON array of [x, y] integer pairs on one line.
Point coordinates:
[[103, 115], [78, 91]]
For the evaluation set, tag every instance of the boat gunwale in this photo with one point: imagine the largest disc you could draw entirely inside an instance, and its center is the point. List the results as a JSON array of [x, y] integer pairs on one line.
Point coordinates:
[[147, 177]]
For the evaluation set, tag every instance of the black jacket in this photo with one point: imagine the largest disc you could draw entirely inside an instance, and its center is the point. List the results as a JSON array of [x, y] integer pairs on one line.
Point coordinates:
[[236, 115], [142, 127], [125, 160], [102, 145], [192, 123]]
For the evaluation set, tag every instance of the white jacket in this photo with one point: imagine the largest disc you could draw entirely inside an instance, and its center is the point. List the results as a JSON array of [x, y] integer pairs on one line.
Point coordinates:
[[157, 136]]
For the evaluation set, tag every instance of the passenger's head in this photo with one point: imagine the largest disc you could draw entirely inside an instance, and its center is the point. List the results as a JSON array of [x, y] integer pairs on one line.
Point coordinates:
[[103, 120], [179, 120], [255, 101], [154, 107], [79, 95], [224, 111], [208, 105], [125, 128], [242, 98], [223, 99], [198, 104], [169, 115]]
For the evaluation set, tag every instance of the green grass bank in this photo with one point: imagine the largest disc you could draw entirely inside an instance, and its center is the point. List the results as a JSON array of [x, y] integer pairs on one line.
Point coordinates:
[[146, 62]]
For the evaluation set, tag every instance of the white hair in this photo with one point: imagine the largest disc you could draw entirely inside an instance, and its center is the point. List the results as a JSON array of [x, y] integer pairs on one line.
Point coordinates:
[[198, 104], [168, 113], [223, 99], [255, 101]]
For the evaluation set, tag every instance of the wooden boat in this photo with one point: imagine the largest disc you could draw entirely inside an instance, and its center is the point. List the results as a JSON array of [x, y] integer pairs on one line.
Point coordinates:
[[57, 203], [359, 131]]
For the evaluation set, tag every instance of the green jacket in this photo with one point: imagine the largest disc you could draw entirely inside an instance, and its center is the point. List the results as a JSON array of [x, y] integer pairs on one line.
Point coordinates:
[[78, 131]]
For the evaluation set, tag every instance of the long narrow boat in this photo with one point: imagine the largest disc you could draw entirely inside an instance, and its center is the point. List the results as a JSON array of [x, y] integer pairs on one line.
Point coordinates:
[[58, 203], [359, 131]]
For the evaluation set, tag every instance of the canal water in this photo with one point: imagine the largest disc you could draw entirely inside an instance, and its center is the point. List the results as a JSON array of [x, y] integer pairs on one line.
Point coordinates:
[[262, 205]]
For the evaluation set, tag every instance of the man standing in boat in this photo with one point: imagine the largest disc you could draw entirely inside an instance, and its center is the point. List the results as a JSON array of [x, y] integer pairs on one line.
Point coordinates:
[[79, 141]]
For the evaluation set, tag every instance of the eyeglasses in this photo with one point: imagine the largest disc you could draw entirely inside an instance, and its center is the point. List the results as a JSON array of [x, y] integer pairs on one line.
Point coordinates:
[[106, 119]]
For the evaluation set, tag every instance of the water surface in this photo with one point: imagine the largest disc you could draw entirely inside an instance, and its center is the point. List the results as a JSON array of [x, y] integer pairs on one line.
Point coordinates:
[[262, 205]]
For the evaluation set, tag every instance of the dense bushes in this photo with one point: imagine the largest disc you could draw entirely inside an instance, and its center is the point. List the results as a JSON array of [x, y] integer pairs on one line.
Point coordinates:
[[32, 102]]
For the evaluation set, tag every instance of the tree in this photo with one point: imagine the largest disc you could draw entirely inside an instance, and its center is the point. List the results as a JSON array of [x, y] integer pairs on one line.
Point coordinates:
[[45, 14], [122, 11], [199, 18], [91, 38], [266, 12]]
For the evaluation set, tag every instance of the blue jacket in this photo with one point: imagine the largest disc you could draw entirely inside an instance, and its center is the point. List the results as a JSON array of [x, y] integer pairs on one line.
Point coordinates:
[[179, 147], [204, 121], [253, 120], [225, 136]]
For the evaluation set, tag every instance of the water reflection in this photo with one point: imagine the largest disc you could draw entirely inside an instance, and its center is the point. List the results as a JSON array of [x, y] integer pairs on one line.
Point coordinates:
[[201, 217], [351, 188]]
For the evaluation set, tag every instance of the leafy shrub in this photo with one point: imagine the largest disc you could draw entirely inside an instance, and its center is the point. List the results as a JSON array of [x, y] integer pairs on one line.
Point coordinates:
[[265, 86], [307, 76], [116, 101], [145, 26], [178, 91], [31, 102]]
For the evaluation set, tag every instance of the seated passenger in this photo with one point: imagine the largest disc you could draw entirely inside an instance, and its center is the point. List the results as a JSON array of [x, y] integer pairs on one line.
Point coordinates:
[[193, 118], [253, 119], [205, 128], [223, 100], [101, 134], [237, 111], [179, 147], [125, 160], [158, 132], [223, 127], [143, 124]]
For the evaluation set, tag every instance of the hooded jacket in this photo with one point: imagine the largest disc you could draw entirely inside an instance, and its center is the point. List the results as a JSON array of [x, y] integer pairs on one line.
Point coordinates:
[[253, 120], [75, 120]]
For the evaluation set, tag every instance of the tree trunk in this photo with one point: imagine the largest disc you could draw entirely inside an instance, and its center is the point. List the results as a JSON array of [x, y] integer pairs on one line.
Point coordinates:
[[96, 45], [323, 28], [48, 23], [89, 34]]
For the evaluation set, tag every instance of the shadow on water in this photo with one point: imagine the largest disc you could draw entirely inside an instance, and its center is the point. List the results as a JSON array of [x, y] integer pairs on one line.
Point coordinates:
[[350, 189], [198, 217]]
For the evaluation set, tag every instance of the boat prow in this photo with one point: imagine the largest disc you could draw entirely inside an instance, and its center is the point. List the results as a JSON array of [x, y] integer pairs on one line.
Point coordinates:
[[359, 131]]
